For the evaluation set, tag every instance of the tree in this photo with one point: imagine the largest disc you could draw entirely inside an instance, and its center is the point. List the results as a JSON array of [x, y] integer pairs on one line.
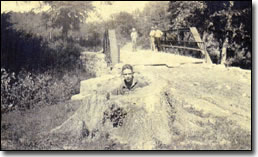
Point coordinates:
[[67, 15], [154, 13], [185, 13], [232, 20], [222, 20], [123, 23]]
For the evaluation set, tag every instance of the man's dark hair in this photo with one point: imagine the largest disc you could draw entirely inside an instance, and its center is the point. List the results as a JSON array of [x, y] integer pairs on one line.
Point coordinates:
[[127, 66]]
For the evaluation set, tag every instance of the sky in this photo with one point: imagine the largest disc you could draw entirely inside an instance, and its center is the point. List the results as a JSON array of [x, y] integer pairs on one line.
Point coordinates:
[[103, 10], [106, 10], [20, 6]]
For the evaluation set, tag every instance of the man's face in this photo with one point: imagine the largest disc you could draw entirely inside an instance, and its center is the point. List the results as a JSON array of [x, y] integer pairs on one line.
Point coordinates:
[[128, 75]]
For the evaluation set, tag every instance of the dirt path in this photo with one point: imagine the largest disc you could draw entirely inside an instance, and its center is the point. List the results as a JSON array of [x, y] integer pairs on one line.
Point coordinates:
[[150, 57]]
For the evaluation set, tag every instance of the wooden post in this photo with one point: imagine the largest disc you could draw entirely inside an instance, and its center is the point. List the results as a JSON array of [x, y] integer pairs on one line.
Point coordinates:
[[106, 48], [200, 44], [111, 48]]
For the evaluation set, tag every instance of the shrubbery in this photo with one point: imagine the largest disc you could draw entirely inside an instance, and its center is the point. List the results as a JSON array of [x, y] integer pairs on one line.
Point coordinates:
[[38, 65], [222, 20], [26, 90]]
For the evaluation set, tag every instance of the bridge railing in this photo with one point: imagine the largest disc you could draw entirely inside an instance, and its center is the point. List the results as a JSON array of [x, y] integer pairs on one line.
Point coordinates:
[[175, 38]]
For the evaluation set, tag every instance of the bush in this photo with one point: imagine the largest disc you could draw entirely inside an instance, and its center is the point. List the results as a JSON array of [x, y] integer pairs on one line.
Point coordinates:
[[240, 59], [26, 90], [64, 54], [6, 96], [212, 47]]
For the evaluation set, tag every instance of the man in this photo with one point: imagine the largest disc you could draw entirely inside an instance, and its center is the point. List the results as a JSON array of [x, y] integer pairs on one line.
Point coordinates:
[[158, 35], [134, 36], [129, 83], [152, 38]]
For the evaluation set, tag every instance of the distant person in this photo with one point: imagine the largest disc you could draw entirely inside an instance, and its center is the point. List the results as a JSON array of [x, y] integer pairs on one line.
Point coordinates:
[[158, 35], [224, 52], [134, 36], [129, 83], [152, 38]]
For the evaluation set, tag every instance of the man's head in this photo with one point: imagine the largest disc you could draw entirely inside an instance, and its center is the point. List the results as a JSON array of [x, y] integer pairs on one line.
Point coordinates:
[[134, 29], [127, 72]]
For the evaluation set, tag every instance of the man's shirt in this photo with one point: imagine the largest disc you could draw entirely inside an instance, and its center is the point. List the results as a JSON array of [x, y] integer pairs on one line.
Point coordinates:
[[158, 34], [134, 35], [123, 89], [152, 33]]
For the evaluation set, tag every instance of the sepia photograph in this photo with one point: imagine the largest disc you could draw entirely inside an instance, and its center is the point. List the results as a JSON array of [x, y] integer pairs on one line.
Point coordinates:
[[126, 75]]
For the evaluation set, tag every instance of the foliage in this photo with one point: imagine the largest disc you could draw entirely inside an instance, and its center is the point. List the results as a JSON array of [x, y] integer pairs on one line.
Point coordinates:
[[154, 14], [35, 47], [67, 15], [212, 46], [123, 23], [37, 54], [26, 90], [184, 13], [6, 79], [220, 19], [48, 40], [235, 18], [91, 36]]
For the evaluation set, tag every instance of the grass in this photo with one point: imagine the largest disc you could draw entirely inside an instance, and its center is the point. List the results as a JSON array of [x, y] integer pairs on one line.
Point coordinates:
[[223, 135], [22, 128]]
